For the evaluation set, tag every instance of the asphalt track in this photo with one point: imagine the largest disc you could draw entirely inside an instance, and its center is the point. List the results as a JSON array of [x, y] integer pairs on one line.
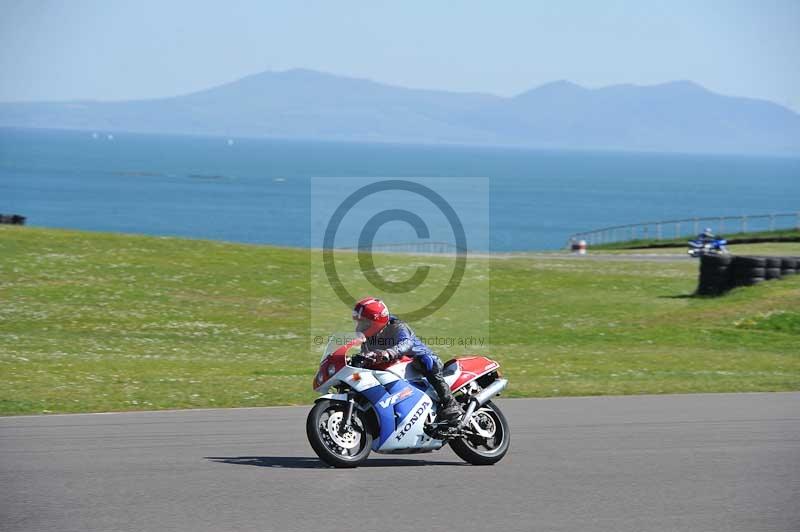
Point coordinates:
[[649, 463]]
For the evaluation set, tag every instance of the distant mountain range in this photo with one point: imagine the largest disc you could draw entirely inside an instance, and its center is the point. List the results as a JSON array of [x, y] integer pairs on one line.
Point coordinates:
[[679, 116]]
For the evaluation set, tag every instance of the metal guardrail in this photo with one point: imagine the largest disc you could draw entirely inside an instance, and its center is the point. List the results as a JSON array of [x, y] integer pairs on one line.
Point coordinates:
[[688, 227]]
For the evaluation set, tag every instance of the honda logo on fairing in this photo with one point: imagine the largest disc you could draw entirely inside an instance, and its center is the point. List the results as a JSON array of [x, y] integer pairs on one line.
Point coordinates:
[[413, 420]]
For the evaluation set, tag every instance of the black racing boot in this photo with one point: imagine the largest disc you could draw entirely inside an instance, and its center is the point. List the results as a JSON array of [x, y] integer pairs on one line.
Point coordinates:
[[449, 409]]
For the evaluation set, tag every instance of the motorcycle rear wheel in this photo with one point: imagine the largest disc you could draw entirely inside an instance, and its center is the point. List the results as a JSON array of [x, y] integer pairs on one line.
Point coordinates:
[[479, 450], [337, 448]]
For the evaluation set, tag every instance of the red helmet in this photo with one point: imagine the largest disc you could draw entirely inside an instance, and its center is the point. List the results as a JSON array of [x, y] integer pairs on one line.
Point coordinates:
[[371, 315]]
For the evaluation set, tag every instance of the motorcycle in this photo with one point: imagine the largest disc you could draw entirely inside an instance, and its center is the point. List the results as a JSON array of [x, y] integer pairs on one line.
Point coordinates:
[[701, 247], [390, 408]]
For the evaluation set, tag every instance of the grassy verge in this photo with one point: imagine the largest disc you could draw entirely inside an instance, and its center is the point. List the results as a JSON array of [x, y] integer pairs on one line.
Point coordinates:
[[780, 235], [100, 322]]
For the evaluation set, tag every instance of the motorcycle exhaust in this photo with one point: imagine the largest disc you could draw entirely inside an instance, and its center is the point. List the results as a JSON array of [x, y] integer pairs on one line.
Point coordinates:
[[490, 391], [483, 397]]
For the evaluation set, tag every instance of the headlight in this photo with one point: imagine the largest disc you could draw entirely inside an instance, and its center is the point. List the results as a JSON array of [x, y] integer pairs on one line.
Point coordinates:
[[331, 370], [319, 377]]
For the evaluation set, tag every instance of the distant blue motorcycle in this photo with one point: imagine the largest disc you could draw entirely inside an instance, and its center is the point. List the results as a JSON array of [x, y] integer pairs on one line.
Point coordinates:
[[707, 244]]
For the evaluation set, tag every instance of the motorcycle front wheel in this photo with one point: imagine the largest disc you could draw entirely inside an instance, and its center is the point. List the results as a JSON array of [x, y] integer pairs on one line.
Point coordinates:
[[336, 446], [491, 438]]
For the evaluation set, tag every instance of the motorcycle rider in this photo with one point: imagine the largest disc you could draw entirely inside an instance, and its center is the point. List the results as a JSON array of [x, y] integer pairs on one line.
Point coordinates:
[[707, 243], [388, 338], [706, 237]]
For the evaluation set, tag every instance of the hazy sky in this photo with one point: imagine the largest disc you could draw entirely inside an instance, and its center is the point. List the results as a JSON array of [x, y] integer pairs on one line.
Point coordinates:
[[140, 49]]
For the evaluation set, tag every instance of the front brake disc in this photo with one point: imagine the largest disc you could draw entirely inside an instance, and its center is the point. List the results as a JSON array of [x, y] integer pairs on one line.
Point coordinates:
[[348, 439]]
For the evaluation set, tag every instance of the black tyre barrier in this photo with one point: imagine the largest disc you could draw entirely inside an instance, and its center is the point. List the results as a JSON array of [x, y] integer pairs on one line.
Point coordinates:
[[716, 260], [752, 262], [714, 270], [718, 274], [788, 266], [745, 272]]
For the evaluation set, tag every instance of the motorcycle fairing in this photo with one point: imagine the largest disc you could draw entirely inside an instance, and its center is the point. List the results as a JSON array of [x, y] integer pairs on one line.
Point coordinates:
[[459, 372], [395, 402], [333, 397], [410, 432], [717, 243]]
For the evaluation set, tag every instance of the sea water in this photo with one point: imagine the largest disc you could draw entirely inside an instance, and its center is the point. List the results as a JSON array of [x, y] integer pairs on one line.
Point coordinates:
[[258, 190]]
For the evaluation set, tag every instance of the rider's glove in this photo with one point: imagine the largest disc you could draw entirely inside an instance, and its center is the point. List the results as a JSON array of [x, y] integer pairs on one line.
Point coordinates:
[[389, 355], [371, 357], [379, 357]]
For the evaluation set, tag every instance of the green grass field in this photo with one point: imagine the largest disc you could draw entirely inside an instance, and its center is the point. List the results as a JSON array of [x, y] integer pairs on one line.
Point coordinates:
[[100, 322]]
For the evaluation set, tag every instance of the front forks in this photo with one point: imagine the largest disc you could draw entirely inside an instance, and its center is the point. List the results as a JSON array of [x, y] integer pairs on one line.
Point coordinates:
[[348, 414]]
